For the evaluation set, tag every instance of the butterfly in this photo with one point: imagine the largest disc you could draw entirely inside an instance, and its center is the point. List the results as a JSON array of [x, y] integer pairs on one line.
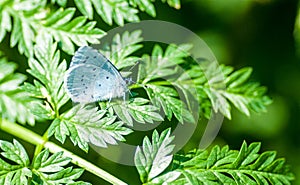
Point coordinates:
[[92, 77]]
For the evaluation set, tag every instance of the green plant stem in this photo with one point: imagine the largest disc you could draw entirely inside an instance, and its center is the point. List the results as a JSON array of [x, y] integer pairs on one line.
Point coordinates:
[[39, 147], [33, 138]]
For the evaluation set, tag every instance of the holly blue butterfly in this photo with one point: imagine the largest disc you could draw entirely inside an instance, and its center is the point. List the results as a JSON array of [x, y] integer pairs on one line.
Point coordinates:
[[92, 77]]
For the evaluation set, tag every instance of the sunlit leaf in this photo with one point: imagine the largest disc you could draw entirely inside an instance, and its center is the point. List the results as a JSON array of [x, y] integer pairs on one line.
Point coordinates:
[[225, 166], [14, 102], [154, 157], [84, 124]]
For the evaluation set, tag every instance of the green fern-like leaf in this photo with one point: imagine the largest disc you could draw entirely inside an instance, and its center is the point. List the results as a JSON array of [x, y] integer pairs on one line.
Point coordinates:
[[32, 18], [120, 51], [121, 48], [60, 25], [19, 173], [5, 22], [139, 110], [148, 6], [109, 11], [51, 170], [226, 89], [117, 11], [144, 5], [86, 124], [154, 157], [156, 77], [49, 74], [14, 102], [45, 169], [224, 166]]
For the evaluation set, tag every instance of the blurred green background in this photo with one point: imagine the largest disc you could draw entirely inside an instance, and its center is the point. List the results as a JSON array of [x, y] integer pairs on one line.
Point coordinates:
[[259, 34], [255, 33]]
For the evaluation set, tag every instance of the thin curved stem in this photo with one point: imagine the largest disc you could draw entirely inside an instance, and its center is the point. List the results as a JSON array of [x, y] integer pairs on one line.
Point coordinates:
[[33, 138]]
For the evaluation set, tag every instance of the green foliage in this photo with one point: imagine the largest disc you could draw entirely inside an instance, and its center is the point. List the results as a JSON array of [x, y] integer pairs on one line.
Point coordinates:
[[159, 66], [119, 11], [49, 74], [122, 47], [139, 110], [34, 18], [51, 170], [10, 173], [230, 87], [218, 166], [155, 156], [86, 124], [155, 76], [81, 123], [45, 169], [166, 83], [165, 78], [116, 10], [14, 102]]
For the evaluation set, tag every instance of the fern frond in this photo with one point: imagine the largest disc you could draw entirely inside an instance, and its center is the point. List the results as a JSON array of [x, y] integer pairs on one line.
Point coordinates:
[[33, 18], [121, 47], [224, 166], [19, 172], [87, 124], [45, 169], [49, 75], [117, 11], [154, 157], [14, 102], [139, 110], [232, 88], [156, 76], [109, 11], [52, 170]]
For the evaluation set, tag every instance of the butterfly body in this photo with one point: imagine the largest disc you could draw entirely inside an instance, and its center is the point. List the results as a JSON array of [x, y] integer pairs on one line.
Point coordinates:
[[92, 77]]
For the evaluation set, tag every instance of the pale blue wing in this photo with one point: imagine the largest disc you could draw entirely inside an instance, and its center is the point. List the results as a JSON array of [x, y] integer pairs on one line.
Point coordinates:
[[88, 55], [87, 83]]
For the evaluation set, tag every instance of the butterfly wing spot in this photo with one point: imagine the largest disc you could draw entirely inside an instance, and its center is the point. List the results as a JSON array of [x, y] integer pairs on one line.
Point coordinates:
[[107, 77], [94, 69], [80, 81]]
